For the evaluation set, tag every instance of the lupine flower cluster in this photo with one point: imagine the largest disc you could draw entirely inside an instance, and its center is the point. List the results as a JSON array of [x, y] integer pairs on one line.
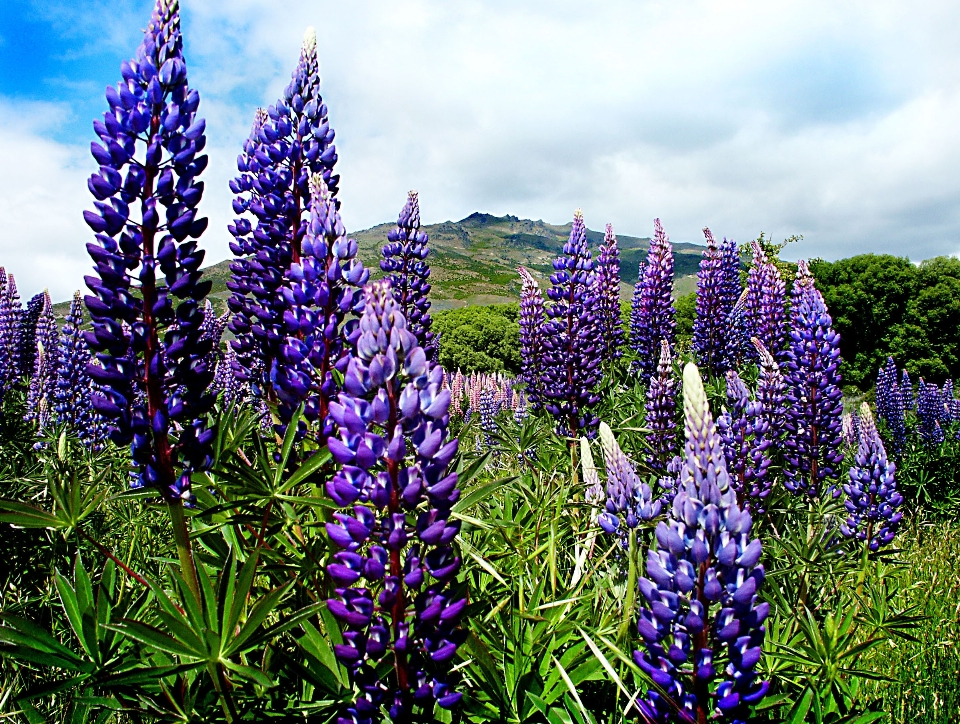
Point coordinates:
[[701, 621], [466, 392], [290, 143], [73, 393], [771, 390], [850, 429], [28, 331], [872, 497], [43, 380], [571, 360], [765, 304], [814, 402], [711, 327], [746, 445], [489, 408], [152, 372], [931, 413], [607, 292], [531, 336], [652, 318], [629, 499], [396, 566], [405, 262], [661, 408], [323, 286], [10, 317]]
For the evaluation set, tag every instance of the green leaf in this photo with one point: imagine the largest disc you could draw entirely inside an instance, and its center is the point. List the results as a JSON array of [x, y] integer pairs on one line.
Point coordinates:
[[23, 515], [313, 463]]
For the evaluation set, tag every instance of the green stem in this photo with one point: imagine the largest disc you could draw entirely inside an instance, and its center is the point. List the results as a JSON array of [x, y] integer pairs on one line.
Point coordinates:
[[630, 602], [181, 536], [220, 684]]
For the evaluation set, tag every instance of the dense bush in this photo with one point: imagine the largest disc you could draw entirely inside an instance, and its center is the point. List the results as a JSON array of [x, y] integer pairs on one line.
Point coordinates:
[[480, 338]]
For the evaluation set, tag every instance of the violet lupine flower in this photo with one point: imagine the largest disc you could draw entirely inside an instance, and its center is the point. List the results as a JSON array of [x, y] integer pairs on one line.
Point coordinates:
[[72, 396], [701, 608], [891, 405], [43, 380], [570, 359], [654, 318], [488, 408], [872, 497], [948, 398], [610, 330], [849, 429], [661, 408], [405, 261], [10, 314], [746, 445], [152, 367], [324, 286], [731, 290], [711, 325], [814, 403], [629, 499], [27, 334], [765, 306], [289, 144], [771, 390], [225, 380], [396, 532], [929, 408], [531, 336]]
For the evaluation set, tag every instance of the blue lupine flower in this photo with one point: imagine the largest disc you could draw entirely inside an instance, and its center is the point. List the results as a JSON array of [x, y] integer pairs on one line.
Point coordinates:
[[629, 499], [746, 445], [814, 403], [290, 143], [531, 337], [10, 318], [43, 380], [765, 304], [710, 327], [571, 362], [73, 391], [610, 330], [151, 359], [653, 319], [872, 497], [405, 262], [323, 288], [395, 570], [661, 407], [701, 621]]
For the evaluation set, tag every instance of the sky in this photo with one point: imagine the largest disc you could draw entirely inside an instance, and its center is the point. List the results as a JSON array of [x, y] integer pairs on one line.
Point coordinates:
[[839, 121]]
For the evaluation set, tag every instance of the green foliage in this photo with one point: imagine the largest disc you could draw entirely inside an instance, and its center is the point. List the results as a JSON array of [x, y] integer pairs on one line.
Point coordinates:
[[686, 307], [480, 339], [883, 305]]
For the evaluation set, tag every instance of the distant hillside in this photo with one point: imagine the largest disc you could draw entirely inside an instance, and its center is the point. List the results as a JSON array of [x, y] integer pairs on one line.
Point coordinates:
[[474, 261]]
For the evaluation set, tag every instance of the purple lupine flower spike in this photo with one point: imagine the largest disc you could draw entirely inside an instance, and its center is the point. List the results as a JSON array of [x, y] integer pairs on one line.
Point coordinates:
[[72, 396], [531, 337], [27, 334], [629, 499], [771, 390], [891, 405], [814, 403], [710, 327], [765, 305], [608, 297], [152, 360], [10, 318], [929, 408], [324, 286], [570, 357], [290, 143], [405, 261], [661, 407], [654, 317], [396, 565], [489, 408], [733, 305], [872, 497], [700, 598], [43, 380], [907, 392], [746, 445]]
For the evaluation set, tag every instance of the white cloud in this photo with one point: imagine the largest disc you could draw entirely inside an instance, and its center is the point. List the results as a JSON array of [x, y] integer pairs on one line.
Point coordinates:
[[832, 120]]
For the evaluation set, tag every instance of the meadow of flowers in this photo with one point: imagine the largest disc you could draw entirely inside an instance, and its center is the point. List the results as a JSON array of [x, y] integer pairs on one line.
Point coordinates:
[[291, 512]]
